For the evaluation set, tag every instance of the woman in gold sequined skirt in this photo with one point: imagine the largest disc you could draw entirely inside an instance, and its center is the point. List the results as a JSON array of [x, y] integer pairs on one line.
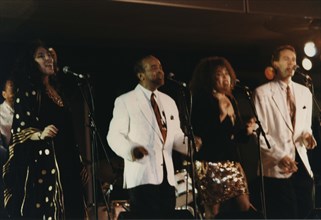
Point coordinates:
[[216, 120]]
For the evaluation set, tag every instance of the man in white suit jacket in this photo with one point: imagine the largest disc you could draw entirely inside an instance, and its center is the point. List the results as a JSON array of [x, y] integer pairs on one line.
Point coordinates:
[[135, 136], [288, 178]]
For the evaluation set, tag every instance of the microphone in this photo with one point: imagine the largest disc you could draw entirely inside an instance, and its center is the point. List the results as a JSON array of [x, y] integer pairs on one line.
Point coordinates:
[[298, 70], [66, 70], [239, 85], [171, 78]]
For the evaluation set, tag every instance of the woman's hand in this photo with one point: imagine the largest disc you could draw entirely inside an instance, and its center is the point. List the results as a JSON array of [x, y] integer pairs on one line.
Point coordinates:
[[49, 132], [251, 126], [226, 107], [198, 143]]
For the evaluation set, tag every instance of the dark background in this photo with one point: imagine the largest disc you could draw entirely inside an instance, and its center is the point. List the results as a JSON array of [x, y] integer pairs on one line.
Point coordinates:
[[104, 39]]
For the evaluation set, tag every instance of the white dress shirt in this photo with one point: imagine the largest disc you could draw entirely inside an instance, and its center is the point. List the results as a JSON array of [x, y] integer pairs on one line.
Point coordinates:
[[6, 117]]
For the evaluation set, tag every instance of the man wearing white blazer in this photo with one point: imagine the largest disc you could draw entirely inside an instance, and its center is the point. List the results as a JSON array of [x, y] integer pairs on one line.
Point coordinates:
[[288, 178], [135, 135]]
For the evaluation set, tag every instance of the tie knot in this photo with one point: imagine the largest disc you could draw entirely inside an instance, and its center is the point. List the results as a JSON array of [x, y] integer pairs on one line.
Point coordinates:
[[152, 97], [288, 90]]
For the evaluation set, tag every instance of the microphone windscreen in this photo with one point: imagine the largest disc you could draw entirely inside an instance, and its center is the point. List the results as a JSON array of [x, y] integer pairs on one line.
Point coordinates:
[[170, 75], [65, 69], [269, 73]]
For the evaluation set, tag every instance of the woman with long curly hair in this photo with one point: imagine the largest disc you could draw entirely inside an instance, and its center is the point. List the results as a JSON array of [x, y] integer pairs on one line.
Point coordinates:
[[42, 175]]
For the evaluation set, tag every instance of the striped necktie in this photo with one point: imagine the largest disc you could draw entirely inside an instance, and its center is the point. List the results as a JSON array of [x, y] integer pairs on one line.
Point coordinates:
[[161, 125], [290, 104]]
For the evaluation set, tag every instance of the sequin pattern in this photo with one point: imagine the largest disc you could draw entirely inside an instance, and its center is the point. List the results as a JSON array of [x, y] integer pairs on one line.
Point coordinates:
[[220, 181]]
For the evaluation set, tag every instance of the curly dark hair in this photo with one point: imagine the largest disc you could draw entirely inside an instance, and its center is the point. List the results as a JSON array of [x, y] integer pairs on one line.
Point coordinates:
[[202, 79]]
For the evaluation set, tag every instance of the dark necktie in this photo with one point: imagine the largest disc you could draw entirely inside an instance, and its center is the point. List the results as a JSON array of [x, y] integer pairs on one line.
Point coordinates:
[[291, 105], [161, 125]]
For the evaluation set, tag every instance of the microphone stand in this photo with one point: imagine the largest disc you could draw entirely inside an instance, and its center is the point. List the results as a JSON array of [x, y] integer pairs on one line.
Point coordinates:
[[259, 131], [309, 84], [191, 143], [95, 137]]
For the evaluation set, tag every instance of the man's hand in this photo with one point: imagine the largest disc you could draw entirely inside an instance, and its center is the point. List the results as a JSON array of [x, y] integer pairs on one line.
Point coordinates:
[[309, 141], [288, 165], [139, 152]]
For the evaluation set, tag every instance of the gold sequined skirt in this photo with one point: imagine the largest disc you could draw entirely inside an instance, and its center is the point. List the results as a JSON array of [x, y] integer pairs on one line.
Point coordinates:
[[220, 181]]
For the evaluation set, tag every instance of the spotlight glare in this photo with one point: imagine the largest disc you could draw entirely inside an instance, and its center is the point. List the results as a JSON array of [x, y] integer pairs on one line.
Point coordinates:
[[306, 64], [310, 49]]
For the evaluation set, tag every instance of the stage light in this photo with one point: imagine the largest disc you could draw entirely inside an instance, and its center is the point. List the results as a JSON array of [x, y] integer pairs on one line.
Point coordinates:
[[306, 64], [310, 49]]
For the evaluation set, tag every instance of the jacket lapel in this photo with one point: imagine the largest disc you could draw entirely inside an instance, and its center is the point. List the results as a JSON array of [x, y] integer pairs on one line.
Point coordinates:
[[147, 111]]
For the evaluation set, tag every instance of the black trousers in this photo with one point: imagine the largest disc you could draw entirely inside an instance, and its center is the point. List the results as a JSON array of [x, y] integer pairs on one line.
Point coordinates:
[[290, 198], [152, 201]]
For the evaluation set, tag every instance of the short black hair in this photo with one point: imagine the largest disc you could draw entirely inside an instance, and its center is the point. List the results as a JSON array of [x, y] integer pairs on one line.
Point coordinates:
[[139, 67], [4, 82]]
